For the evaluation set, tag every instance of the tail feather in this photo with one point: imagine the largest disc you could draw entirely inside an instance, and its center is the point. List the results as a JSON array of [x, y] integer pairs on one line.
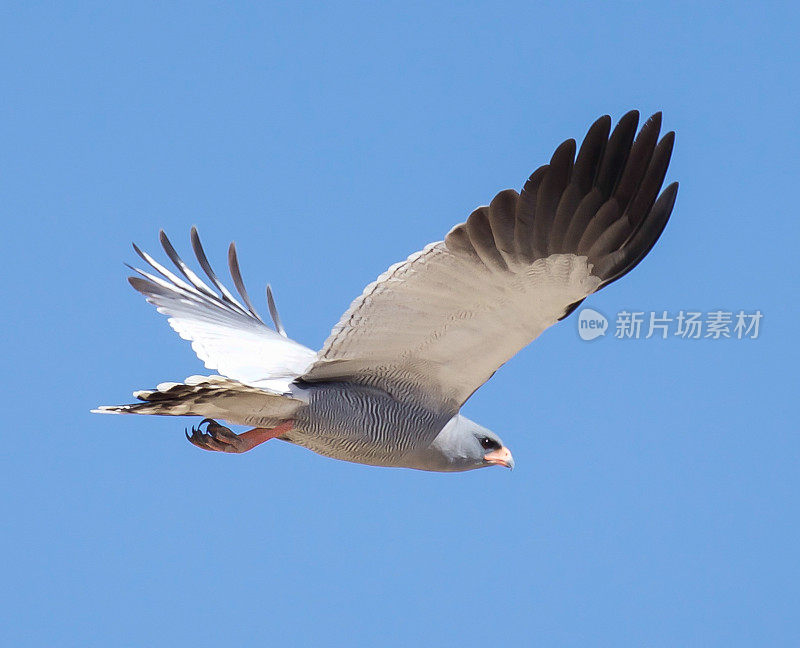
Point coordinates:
[[214, 397]]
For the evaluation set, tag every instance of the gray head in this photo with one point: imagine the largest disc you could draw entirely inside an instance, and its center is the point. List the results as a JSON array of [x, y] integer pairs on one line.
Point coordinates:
[[464, 445]]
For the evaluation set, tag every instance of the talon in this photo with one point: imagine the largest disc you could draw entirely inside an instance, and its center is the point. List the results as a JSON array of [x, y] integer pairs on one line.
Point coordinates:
[[214, 427], [202, 440], [221, 433], [218, 437]]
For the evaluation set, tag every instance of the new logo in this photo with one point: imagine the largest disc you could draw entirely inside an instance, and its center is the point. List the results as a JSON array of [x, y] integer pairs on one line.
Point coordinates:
[[591, 324]]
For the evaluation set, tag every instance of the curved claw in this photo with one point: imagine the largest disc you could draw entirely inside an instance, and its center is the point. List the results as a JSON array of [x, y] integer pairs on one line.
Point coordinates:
[[206, 440], [216, 437]]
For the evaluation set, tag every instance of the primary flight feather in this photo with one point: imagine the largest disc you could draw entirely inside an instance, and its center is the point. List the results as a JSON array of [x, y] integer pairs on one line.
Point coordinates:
[[387, 386]]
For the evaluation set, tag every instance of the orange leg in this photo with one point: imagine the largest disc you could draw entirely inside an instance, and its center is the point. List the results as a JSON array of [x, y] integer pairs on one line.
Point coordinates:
[[221, 439], [257, 436]]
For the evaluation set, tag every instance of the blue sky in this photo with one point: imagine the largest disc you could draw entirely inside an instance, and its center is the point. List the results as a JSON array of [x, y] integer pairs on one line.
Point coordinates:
[[655, 496]]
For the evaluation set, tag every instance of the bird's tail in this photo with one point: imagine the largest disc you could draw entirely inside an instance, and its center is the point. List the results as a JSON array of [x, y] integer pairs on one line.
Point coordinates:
[[213, 397]]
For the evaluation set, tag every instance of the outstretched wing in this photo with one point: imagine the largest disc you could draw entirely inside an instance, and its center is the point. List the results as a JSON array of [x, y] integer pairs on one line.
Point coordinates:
[[226, 335], [441, 323]]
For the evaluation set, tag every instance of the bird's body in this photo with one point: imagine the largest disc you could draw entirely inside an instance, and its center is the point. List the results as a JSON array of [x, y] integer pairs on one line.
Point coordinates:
[[388, 384], [364, 424]]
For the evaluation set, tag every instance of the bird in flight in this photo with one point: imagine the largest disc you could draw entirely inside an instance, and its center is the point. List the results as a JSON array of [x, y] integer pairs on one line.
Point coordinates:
[[387, 386]]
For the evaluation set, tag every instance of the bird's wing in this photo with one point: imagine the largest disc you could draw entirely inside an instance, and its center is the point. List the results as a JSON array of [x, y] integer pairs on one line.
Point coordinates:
[[226, 335], [442, 322]]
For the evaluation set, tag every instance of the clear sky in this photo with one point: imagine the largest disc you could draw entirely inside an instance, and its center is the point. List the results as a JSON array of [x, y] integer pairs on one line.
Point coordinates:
[[654, 500]]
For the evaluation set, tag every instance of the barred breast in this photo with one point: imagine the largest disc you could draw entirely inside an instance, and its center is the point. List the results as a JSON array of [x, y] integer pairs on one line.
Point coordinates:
[[363, 425]]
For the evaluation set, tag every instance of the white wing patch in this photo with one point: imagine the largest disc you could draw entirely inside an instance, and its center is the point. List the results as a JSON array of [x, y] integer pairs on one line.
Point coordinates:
[[248, 352], [227, 336]]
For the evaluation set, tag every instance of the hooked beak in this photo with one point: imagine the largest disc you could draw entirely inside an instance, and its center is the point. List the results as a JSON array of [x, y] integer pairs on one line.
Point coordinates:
[[500, 457]]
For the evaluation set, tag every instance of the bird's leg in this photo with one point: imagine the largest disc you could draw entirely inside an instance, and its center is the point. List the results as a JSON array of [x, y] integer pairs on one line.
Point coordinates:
[[219, 438]]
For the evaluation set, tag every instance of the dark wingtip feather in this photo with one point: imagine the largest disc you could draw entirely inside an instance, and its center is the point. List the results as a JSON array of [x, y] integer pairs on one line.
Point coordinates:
[[137, 283], [647, 192], [618, 216], [185, 270], [655, 223], [166, 244], [501, 219], [563, 154], [479, 230], [139, 252], [202, 259], [666, 201], [616, 152], [236, 275], [591, 152], [631, 254], [628, 116], [637, 165], [457, 241], [273, 312], [552, 188]]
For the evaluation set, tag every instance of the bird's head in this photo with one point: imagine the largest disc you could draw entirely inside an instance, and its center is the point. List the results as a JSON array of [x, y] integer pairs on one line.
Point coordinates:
[[464, 445]]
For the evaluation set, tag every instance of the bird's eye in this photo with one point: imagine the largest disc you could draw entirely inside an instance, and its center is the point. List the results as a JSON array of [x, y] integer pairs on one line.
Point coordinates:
[[489, 444]]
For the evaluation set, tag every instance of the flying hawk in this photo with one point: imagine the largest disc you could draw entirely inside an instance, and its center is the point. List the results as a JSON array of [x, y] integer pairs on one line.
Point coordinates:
[[388, 384]]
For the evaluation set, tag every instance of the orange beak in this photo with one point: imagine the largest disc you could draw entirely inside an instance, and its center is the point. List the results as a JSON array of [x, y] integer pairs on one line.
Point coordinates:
[[500, 457]]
